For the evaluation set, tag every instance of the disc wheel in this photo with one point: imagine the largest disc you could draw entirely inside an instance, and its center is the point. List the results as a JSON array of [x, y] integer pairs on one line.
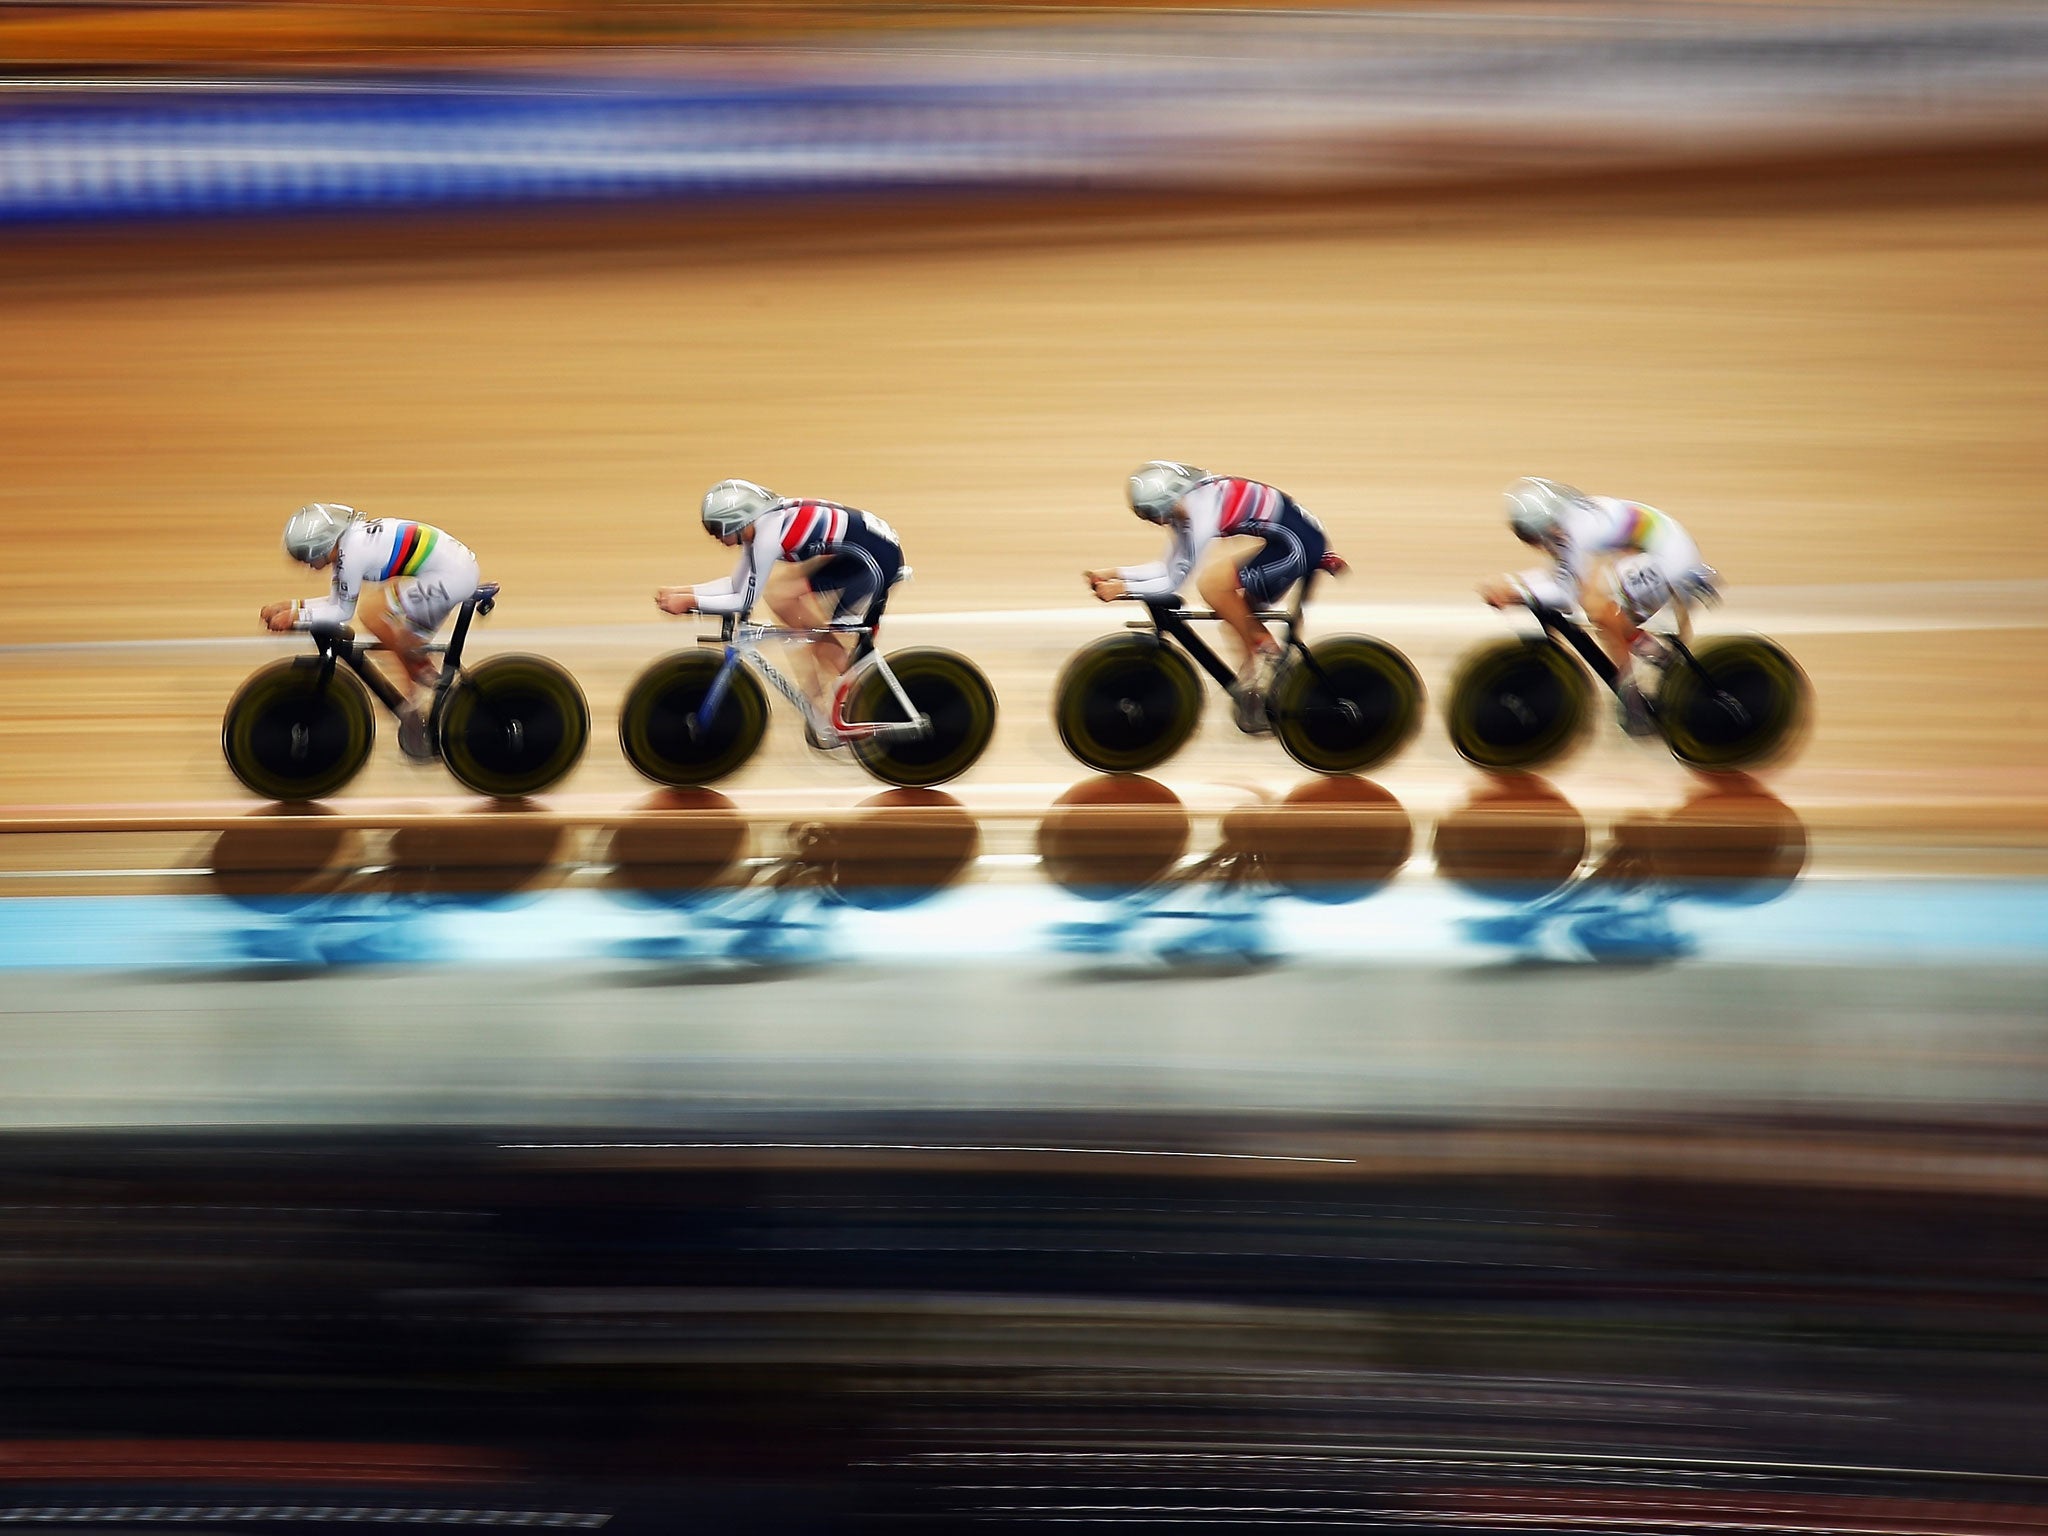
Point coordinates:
[[661, 735], [1357, 706], [1518, 704], [1747, 710], [291, 734], [513, 725], [945, 687], [1126, 703]]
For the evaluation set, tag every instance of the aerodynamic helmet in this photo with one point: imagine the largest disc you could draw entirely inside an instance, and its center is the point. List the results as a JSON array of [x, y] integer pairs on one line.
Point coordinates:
[[1536, 509], [1156, 487], [312, 532], [732, 505]]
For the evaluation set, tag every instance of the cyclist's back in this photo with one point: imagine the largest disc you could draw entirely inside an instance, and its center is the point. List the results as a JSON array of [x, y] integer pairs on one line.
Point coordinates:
[[857, 557]]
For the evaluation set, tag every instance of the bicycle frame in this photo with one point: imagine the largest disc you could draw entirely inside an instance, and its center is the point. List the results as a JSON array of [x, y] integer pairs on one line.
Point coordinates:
[[1169, 620], [1562, 628], [742, 644], [337, 643], [1567, 631]]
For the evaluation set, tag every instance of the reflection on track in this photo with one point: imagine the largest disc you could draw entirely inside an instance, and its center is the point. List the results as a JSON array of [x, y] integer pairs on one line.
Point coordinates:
[[682, 846], [1114, 836], [1120, 840], [1516, 838], [1520, 842], [313, 899], [894, 850], [683, 882]]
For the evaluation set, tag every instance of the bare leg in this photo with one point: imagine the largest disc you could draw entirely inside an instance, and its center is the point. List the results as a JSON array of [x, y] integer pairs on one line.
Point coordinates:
[[1217, 583], [407, 651], [820, 661], [1614, 626], [1616, 630], [832, 657]]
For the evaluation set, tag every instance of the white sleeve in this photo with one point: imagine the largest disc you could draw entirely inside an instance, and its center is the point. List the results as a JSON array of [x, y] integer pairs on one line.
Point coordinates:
[[736, 593], [1160, 578], [339, 606], [1557, 585], [1203, 510], [723, 595], [1554, 586]]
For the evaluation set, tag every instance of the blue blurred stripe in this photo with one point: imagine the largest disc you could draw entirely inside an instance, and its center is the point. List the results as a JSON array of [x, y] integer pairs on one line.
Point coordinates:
[[1293, 99], [1824, 922], [194, 153]]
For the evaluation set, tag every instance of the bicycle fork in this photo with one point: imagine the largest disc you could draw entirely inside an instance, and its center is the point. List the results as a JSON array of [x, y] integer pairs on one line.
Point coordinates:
[[714, 697]]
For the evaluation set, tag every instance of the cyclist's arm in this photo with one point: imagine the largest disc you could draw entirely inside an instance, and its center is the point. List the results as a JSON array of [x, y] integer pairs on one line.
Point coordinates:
[[1554, 586], [1163, 578], [730, 594], [339, 605]]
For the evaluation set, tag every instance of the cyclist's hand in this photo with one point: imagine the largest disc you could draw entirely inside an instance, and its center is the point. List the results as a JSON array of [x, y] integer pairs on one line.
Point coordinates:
[[676, 600], [1500, 594], [278, 616], [1105, 585]]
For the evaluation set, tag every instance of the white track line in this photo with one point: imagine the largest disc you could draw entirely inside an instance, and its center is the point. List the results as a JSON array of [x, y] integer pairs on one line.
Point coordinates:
[[1849, 609]]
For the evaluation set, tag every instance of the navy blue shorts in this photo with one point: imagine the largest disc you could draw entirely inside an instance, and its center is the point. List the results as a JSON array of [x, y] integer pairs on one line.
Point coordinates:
[[1295, 545], [857, 572]]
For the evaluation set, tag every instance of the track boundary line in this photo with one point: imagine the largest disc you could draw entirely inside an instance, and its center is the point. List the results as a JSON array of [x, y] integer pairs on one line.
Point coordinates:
[[1963, 606]]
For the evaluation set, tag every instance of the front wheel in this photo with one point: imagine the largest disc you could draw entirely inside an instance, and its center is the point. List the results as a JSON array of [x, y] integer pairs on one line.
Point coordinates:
[[1127, 703], [944, 687], [659, 728], [1354, 702], [1518, 704], [1742, 706], [513, 725], [298, 730]]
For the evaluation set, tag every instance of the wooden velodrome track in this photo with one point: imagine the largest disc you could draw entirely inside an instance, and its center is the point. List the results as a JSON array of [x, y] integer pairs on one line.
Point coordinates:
[[1837, 378]]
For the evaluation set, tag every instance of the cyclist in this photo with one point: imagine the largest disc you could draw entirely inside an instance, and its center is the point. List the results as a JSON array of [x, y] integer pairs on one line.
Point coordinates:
[[1202, 512], [1621, 562], [425, 573], [812, 562]]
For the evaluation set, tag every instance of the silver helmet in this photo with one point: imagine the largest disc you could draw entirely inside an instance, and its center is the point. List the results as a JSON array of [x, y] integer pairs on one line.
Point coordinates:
[[1158, 486], [732, 505], [1536, 508], [311, 533]]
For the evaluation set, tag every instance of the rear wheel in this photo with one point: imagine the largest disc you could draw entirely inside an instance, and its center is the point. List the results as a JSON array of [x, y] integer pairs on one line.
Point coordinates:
[[946, 688], [1518, 704], [659, 728], [1746, 710], [292, 733], [513, 725], [1358, 705], [1127, 702]]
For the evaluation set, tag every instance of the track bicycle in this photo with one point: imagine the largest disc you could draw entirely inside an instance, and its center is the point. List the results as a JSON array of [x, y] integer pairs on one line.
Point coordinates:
[[507, 727], [1733, 701], [1128, 702], [917, 717]]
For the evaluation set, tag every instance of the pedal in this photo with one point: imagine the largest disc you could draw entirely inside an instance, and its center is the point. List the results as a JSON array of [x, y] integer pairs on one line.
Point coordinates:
[[1250, 714], [416, 741], [1637, 715], [833, 748]]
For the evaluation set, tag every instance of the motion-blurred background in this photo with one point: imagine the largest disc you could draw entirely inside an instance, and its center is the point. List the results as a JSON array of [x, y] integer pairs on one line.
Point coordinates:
[[1623, 1149]]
